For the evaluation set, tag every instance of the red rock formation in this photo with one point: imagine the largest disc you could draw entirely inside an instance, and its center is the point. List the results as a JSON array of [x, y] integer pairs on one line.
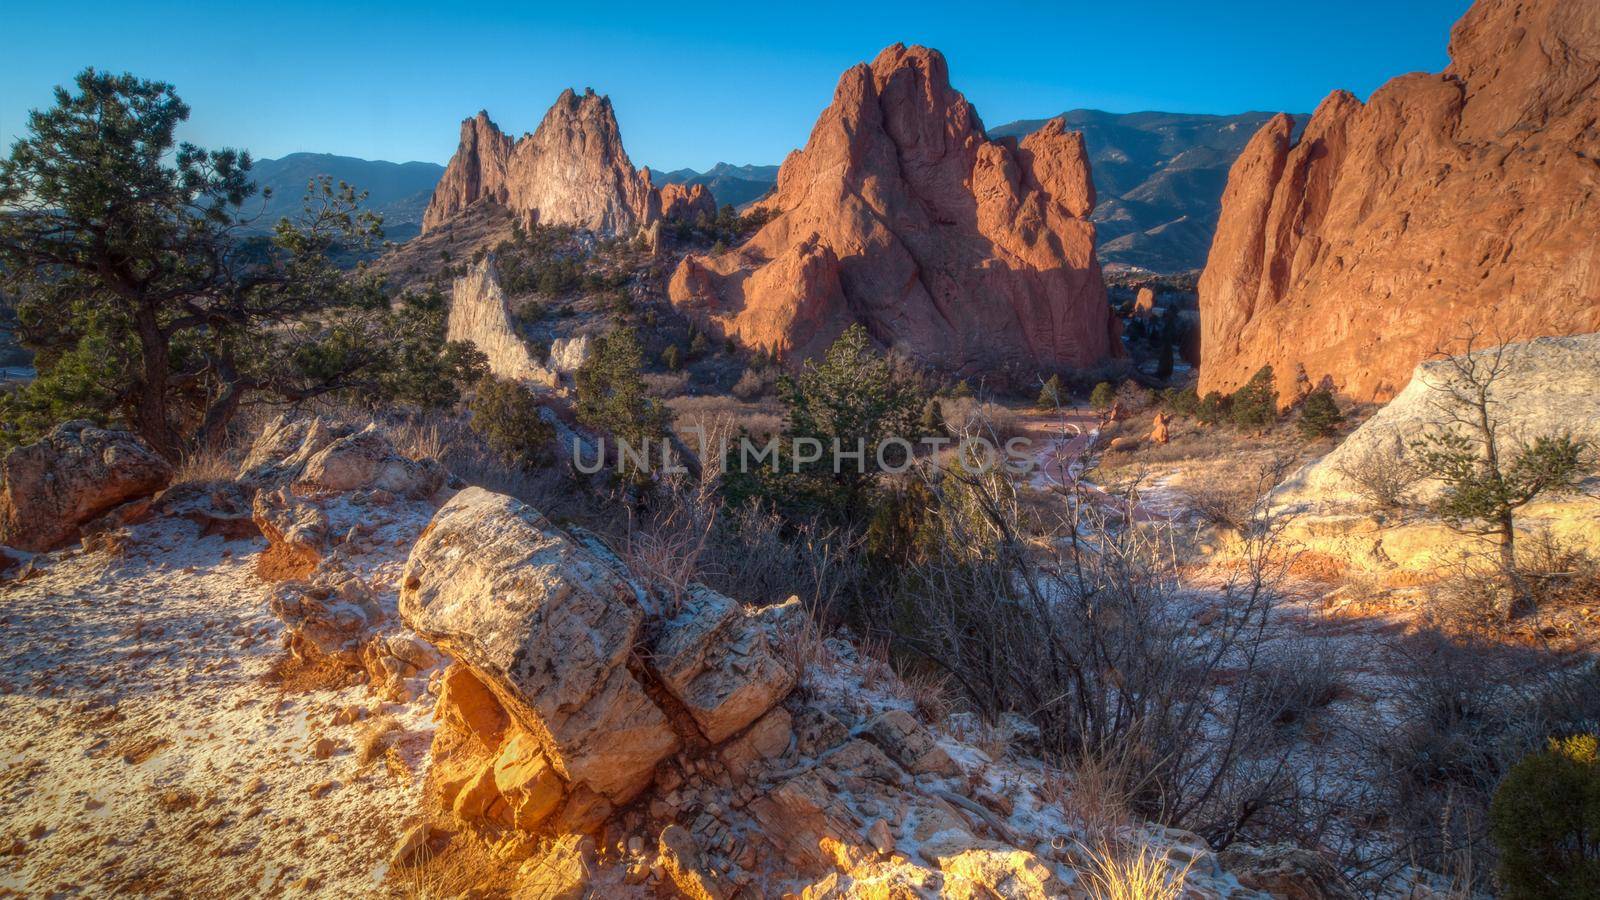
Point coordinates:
[[572, 170], [969, 254], [686, 201], [1469, 196]]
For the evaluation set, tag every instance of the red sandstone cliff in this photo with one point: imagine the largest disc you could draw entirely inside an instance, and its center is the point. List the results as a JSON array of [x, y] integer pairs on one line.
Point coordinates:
[[572, 170], [969, 254], [1468, 196]]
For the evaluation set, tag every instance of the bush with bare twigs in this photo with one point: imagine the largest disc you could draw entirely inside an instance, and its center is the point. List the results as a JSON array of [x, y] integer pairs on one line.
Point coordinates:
[[1383, 476], [1089, 641]]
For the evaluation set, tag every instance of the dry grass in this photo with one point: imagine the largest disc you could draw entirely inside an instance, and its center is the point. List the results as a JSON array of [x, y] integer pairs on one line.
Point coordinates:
[[761, 419], [207, 465], [1122, 874], [971, 416], [666, 385], [754, 384]]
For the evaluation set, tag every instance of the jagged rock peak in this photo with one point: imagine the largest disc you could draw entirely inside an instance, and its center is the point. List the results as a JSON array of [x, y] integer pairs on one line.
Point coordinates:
[[1471, 196], [965, 253], [572, 170]]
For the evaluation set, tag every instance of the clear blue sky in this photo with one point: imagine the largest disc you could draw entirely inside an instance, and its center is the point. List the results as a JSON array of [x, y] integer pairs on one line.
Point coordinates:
[[696, 83]]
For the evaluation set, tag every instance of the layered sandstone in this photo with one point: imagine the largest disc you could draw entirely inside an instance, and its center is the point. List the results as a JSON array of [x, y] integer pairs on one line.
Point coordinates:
[[1468, 197], [970, 254], [572, 170]]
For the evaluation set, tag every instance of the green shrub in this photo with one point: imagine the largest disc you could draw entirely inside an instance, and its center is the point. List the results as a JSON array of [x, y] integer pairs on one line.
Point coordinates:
[[1050, 394], [1212, 408], [1319, 416], [506, 415], [1256, 404], [1185, 402], [611, 391], [1545, 818], [672, 358], [1103, 396], [698, 345]]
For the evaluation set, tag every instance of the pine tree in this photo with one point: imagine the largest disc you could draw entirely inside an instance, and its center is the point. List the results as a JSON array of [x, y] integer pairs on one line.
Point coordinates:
[[611, 392], [1102, 396], [146, 305], [1050, 394], [1256, 404], [1319, 415]]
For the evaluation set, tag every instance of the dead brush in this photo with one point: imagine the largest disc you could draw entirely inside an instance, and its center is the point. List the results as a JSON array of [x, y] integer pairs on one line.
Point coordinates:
[[377, 736]]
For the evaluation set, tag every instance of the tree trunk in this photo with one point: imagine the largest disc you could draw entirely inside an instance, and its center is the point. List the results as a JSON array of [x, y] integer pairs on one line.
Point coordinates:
[[1508, 568], [150, 410]]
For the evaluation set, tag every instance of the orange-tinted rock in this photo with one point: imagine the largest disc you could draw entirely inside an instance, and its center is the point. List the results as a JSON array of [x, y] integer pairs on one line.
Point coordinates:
[[1469, 196], [1159, 428], [572, 170], [965, 253], [1144, 304], [686, 202], [70, 476]]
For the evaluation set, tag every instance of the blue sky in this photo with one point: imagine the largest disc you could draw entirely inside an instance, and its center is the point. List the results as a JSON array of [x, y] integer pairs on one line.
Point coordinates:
[[692, 84]]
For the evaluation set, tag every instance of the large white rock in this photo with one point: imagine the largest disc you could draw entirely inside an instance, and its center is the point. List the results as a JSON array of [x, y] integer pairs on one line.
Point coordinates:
[[1550, 385]]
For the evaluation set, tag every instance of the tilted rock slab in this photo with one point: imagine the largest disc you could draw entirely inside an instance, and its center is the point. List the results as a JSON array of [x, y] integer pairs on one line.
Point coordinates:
[[480, 316], [70, 476], [1548, 386], [1468, 196], [965, 253]]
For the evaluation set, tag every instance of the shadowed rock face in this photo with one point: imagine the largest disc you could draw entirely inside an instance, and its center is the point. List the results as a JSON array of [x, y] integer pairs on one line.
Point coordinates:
[[1472, 195], [572, 170], [969, 254]]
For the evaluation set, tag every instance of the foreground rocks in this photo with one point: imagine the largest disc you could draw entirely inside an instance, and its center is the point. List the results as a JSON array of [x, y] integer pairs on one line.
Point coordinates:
[[608, 742], [72, 475], [1467, 196], [965, 253]]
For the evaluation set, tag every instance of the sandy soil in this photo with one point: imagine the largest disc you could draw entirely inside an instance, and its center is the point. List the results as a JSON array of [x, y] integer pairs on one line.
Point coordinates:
[[147, 749]]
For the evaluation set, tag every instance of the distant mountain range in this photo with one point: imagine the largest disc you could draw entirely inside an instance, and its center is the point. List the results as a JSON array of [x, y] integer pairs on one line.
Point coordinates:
[[1158, 176], [399, 191], [728, 183]]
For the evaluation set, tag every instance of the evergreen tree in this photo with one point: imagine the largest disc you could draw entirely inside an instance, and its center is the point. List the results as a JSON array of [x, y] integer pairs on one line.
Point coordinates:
[[611, 392], [1486, 478], [506, 415], [1050, 394], [1319, 415], [1103, 396], [854, 399], [1256, 404], [147, 305]]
